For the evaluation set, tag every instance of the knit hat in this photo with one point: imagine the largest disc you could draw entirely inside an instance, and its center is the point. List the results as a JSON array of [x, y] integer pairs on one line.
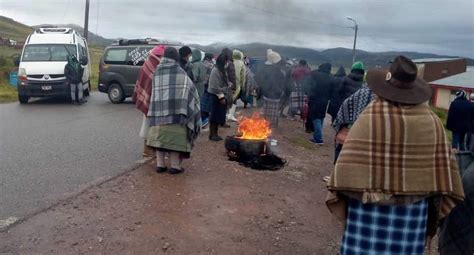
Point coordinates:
[[460, 93], [272, 57], [171, 53], [358, 66], [158, 50], [184, 51]]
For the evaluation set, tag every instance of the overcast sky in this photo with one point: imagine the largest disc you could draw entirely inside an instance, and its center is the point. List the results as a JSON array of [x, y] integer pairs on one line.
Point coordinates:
[[435, 26]]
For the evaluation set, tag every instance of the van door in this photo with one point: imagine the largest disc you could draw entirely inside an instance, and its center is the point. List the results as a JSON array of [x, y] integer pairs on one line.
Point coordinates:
[[136, 56]]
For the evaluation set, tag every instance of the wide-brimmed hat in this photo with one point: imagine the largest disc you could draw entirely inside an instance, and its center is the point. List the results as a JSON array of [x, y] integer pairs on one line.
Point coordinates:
[[273, 57], [399, 84]]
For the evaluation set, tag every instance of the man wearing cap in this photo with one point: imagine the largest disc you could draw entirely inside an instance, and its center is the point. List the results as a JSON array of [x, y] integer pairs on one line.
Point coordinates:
[[459, 120], [349, 85], [396, 176]]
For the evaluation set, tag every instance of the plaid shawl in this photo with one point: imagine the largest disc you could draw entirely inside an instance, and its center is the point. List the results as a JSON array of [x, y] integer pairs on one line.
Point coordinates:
[[142, 91], [396, 150], [174, 99], [352, 107]]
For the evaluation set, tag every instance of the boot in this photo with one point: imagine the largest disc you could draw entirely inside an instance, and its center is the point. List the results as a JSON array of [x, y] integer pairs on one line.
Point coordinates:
[[213, 130], [231, 114]]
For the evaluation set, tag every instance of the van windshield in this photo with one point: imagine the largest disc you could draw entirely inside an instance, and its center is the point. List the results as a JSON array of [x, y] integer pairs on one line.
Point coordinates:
[[48, 52]]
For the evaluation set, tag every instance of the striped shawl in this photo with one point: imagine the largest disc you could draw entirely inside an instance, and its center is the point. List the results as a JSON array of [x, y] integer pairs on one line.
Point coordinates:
[[396, 151], [174, 99], [142, 92]]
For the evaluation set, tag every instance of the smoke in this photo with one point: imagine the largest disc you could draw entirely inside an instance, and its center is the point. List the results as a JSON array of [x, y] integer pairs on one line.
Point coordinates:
[[282, 22]]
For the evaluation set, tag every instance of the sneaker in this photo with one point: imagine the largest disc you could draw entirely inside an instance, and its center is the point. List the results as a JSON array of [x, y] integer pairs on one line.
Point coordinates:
[[205, 123], [320, 143]]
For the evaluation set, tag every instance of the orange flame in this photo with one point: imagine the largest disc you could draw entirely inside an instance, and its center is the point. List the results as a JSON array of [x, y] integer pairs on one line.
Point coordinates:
[[254, 128]]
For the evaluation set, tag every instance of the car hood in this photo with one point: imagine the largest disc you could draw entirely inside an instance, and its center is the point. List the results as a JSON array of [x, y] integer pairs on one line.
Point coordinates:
[[33, 68]]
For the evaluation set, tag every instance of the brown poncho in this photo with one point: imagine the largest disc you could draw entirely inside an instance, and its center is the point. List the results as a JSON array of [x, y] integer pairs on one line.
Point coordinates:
[[394, 150]]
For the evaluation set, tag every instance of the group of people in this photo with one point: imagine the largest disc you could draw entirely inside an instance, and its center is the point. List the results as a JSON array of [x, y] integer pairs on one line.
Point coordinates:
[[182, 93], [395, 178]]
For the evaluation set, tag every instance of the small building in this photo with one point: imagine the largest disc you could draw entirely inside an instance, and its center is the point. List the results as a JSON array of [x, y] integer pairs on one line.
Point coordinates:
[[432, 69], [444, 90]]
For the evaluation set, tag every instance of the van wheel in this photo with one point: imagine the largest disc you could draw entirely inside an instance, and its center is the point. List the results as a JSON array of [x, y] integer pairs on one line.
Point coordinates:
[[23, 99], [116, 94]]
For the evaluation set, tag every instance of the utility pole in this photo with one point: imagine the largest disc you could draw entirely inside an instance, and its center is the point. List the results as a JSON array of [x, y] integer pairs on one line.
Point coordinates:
[[356, 27], [86, 21]]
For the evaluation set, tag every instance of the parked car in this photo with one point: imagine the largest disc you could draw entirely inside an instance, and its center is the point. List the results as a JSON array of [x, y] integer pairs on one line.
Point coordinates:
[[42, 62], [120, 65]]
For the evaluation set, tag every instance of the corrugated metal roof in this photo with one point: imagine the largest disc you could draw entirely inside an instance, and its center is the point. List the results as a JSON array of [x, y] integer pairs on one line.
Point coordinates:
[[426, 60], [462, 80]]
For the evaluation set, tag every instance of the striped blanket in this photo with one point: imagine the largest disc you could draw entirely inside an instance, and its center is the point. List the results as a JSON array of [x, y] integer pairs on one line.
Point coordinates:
[[395, 150]]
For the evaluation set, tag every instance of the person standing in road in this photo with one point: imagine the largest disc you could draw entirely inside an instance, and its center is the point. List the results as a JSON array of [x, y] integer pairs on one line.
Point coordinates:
[[319, 87], [239, 68], [185, 54], [298, 74], [73, 72], [201, 72], [270, 80], [142, 93], [206, 97], [348, 86], [459, 120], [219, 90], [396, 176], [174, 113]]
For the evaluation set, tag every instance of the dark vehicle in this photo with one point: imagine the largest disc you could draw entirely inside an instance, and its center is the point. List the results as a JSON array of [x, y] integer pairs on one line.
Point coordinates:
[[120, 65]]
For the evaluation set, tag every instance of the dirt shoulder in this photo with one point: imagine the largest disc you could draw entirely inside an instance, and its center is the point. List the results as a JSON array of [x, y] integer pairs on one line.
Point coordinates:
[[215, 207]]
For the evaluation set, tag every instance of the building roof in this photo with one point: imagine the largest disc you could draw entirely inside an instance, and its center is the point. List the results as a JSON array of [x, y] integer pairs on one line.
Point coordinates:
[[427, 60], [462, 80]]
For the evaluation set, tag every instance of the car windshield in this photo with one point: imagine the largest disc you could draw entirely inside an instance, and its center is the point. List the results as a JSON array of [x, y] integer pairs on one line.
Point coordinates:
[[48, 52]]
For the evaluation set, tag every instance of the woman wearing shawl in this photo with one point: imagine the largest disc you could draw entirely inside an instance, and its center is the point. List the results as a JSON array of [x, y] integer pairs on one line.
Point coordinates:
[[396, 176], [142, 92], [219, 89], [174, 113]]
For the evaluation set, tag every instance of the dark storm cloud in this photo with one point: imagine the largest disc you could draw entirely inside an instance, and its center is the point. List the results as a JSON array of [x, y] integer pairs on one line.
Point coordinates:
[[444, 27]]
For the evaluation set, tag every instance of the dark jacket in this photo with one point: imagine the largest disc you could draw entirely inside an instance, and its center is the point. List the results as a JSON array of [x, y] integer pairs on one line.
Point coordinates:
[[231, 68], [270, 81], [73, 70], [319, 87], [345, 88], [459, 116], [187, 68], [457, 230]]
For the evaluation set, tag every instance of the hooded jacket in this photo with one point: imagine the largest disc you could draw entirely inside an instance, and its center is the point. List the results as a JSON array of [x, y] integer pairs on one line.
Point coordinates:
[[459, 116], [200, 72], [239, 67], [319, 87], [230, 68]]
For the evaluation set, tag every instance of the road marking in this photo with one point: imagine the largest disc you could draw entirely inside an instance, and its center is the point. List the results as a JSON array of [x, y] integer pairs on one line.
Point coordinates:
[[8, 222]]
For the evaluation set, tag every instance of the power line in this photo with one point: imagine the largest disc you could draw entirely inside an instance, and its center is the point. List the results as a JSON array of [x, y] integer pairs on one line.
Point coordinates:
[[286, 16]]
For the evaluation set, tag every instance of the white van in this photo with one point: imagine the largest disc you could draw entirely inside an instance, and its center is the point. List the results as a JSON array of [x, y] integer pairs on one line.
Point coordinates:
[[42, 62]]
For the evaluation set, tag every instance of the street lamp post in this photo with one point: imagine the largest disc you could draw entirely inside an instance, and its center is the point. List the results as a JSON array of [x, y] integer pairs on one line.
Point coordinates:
[[356, 27]]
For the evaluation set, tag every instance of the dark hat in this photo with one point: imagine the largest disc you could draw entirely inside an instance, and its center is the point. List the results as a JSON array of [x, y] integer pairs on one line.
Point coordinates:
[[399, 84], [172, 53], [185, 51]]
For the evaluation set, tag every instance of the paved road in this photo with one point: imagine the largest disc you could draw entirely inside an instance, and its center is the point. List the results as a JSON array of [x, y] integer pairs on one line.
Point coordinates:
[[50, 149]]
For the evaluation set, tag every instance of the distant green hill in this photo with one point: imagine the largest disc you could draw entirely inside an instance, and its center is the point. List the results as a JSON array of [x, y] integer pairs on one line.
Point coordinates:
[[14, 30]]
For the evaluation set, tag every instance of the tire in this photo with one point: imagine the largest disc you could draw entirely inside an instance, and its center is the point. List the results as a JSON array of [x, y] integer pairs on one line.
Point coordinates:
[[23, 99], [115, 92]]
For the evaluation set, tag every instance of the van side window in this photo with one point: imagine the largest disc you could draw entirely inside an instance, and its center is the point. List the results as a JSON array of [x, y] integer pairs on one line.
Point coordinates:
[[116, 56]]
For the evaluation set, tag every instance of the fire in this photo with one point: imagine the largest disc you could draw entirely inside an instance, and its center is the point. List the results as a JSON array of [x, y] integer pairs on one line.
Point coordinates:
[[254, 128]]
